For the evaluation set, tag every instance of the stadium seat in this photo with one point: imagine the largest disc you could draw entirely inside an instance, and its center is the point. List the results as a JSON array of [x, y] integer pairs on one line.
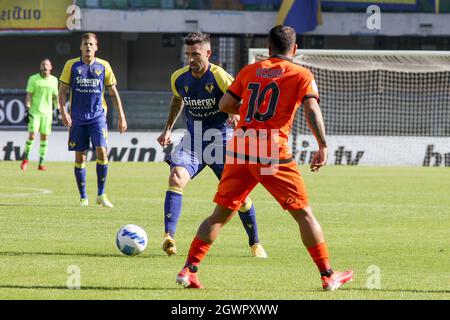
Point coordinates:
[[109, 4], [252, 7], [193, 4], [152, 3], [227, 5], [136, 4], [187, 4], [114, 4], [122, 4], [426, 6], [145, 3], [167, 4], [92, 3], [181, 4], [81, 3], [444, 7]]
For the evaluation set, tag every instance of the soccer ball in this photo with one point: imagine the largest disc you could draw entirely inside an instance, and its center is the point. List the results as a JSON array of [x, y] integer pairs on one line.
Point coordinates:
[[131, 239]]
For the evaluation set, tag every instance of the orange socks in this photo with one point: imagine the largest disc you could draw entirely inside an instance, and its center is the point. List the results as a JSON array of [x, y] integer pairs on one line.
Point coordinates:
[[319, 253], [197, 252]]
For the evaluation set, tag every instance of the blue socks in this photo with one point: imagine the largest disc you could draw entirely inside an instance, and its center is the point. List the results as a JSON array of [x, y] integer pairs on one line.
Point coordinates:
[[172, 209], [247, 214], [172, 212], [80, 175], [102, 172]]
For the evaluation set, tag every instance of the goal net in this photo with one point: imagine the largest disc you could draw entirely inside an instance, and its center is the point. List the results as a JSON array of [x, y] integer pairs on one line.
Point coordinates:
[[376, 93]]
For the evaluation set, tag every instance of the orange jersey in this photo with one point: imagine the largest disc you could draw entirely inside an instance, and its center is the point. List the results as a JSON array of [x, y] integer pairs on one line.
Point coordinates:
[[271, 91]]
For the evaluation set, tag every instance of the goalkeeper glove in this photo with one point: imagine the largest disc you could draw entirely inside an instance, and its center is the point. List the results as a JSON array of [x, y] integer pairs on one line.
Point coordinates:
[[27, 115]]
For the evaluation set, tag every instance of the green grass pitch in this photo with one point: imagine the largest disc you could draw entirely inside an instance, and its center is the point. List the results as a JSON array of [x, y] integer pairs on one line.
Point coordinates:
[[397, 219]]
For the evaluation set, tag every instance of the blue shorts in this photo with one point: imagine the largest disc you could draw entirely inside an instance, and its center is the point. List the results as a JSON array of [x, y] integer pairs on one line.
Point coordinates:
[[80, 137], [194, 156]]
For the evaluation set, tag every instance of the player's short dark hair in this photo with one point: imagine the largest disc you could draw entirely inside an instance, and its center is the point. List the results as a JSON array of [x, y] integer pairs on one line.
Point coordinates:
[[89, 35], [282, 39], [197, 37]]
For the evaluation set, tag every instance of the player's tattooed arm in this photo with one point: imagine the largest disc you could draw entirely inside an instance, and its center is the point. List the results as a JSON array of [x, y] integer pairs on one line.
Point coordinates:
[[229, 104], [315, 122], [176, 105], [314, 119]]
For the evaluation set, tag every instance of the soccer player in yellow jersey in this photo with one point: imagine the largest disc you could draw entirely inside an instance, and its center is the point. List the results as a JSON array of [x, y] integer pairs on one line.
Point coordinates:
[[197, 88], [42, 95], [86, 78]]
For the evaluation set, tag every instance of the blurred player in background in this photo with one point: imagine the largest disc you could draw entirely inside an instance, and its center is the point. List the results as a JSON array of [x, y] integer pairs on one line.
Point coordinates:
[[271, 91], [198, 88], [86, 78], [42, 95]]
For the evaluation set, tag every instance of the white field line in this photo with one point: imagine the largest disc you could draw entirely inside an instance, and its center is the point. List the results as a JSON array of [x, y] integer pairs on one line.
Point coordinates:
[[26, 192]]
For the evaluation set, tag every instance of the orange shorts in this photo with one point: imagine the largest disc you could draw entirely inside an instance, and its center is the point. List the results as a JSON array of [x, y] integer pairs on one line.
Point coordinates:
[[285, 184]]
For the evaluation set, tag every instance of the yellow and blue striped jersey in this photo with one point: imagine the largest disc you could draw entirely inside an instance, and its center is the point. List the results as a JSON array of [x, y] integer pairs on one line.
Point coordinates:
[[87, 83], [201, 96]]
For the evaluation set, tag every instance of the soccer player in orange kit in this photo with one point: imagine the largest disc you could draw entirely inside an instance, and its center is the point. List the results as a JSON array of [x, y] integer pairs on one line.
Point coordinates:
[[271, 91]]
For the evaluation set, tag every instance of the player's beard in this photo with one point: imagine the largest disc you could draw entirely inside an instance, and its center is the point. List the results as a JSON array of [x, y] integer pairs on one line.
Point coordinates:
[[198, 68], [195, 68]]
